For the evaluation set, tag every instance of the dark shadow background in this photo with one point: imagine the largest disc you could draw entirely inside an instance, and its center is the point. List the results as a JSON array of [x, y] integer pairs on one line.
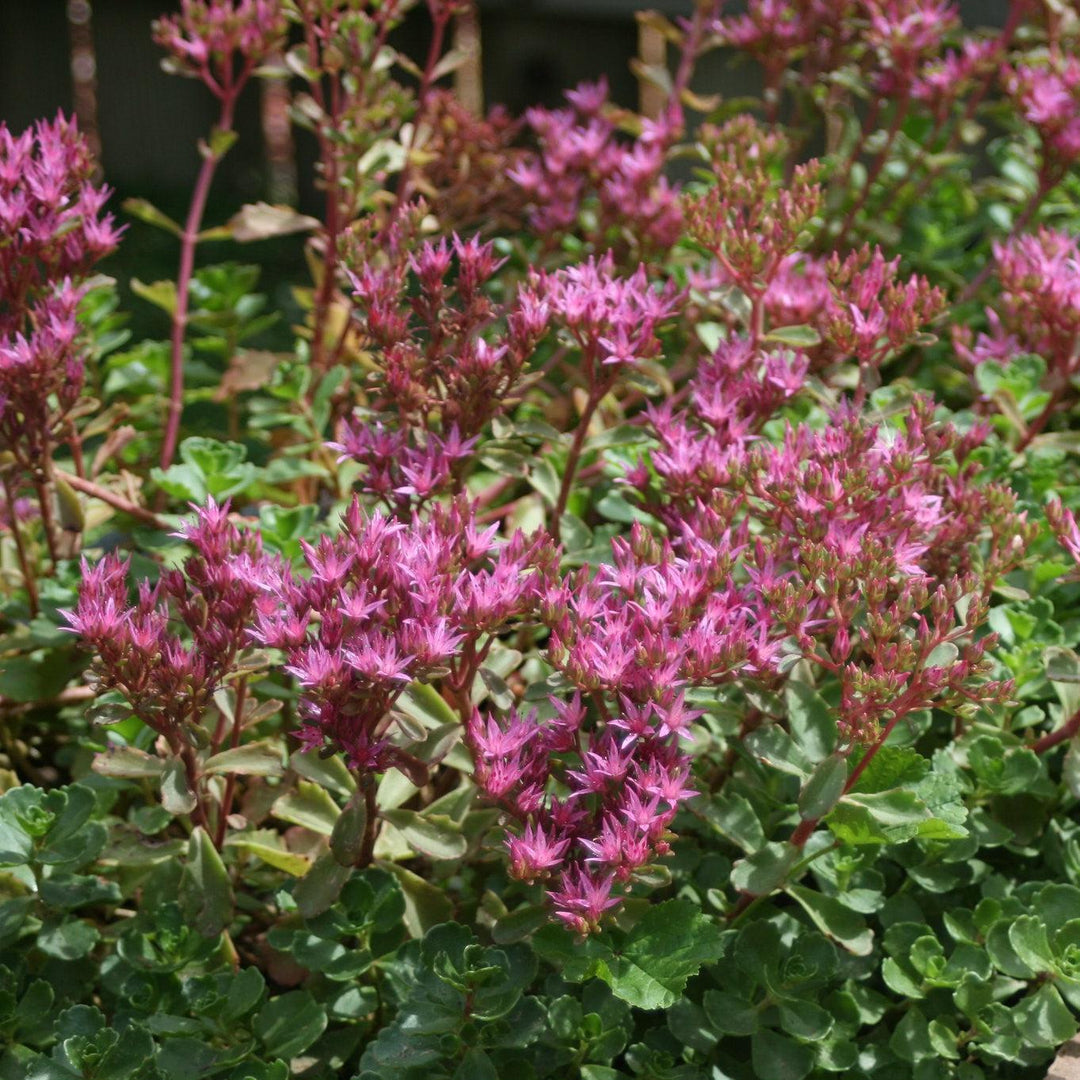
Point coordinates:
[[150, 122]]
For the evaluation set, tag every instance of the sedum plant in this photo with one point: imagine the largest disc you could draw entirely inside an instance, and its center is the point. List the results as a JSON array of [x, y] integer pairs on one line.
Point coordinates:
[[629, 629]]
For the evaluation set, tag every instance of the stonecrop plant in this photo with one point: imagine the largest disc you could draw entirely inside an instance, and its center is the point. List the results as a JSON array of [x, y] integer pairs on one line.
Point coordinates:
[[621, 621]]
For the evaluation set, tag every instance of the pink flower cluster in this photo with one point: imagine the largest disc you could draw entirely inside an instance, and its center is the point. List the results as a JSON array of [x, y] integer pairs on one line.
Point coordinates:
[[384, 603], [1049, 98], [775, 29], [857, 531], [612, 319], [52, 231], [178, 643], [903, 33], [944, 80], [1039, 305], [445, 350], [628, 640], [748, 220], [582, 160], [206, 37], [892, 38], [873, 314], [1065, 528]]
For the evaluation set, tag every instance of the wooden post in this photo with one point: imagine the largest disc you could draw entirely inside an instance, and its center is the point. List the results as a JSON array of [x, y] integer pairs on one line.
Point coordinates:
[[469, 77], [84, 76], [652, 53]]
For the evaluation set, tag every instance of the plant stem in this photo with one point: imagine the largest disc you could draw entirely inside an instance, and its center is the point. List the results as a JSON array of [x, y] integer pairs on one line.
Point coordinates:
[[1062, 734], [230, 783], [875, 169], [20, 547], [1046, 185], [188, 241], [117, 502], [371, 821], [595, 396], [1040, 421], [43, 489]]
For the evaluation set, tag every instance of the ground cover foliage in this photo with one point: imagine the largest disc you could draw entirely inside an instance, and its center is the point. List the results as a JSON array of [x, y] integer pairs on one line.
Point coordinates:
[[627, 631]]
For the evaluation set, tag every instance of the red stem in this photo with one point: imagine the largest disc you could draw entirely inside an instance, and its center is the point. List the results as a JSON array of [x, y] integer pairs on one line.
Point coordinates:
[[1063, 734], [1046, 185], [118, 502], [875, 169], [20, 549], [595, 397], [188, 241], [230, 784]]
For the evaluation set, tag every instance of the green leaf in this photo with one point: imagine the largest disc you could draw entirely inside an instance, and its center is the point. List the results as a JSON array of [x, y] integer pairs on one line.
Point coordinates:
[[891, 807], [329, 772], [1001, 952], [823, 790], [69, 891], [892, 767], [146, 211], [805, 1020], [846, 927], [434, 835], [911, 1038], [798, 337], [349, 832], [308, 806], [734, 818], [317, 890], [1027, 935], [426, 905], [289, 1024], [268, 846], [262, 758], [35, 677], [811, 721], [1043, 1019], [730, 1014], [162, 294], [476, 1065], [546, 481], [776, 1057], [765, 870], [424, 703], [668, 945], [773, 745], [1062, 665], [205, 888], [650, 967], [128, 762], [261, 221], [176, 796], [69, 940]]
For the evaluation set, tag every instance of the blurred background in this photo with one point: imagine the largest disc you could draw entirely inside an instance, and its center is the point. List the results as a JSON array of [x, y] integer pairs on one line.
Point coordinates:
[[96, 58]]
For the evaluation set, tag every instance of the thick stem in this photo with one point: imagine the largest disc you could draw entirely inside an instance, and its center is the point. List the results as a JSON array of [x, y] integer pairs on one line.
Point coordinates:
[[976, 99], [371, 822], [875, 169], [1054, 738], [20, 548], [117, 502], [440, 15], [191, 773], [230, 783], [43, 490], [1046, 185], [691, 49], [188, 241], [572, 459], [1040, 421]]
